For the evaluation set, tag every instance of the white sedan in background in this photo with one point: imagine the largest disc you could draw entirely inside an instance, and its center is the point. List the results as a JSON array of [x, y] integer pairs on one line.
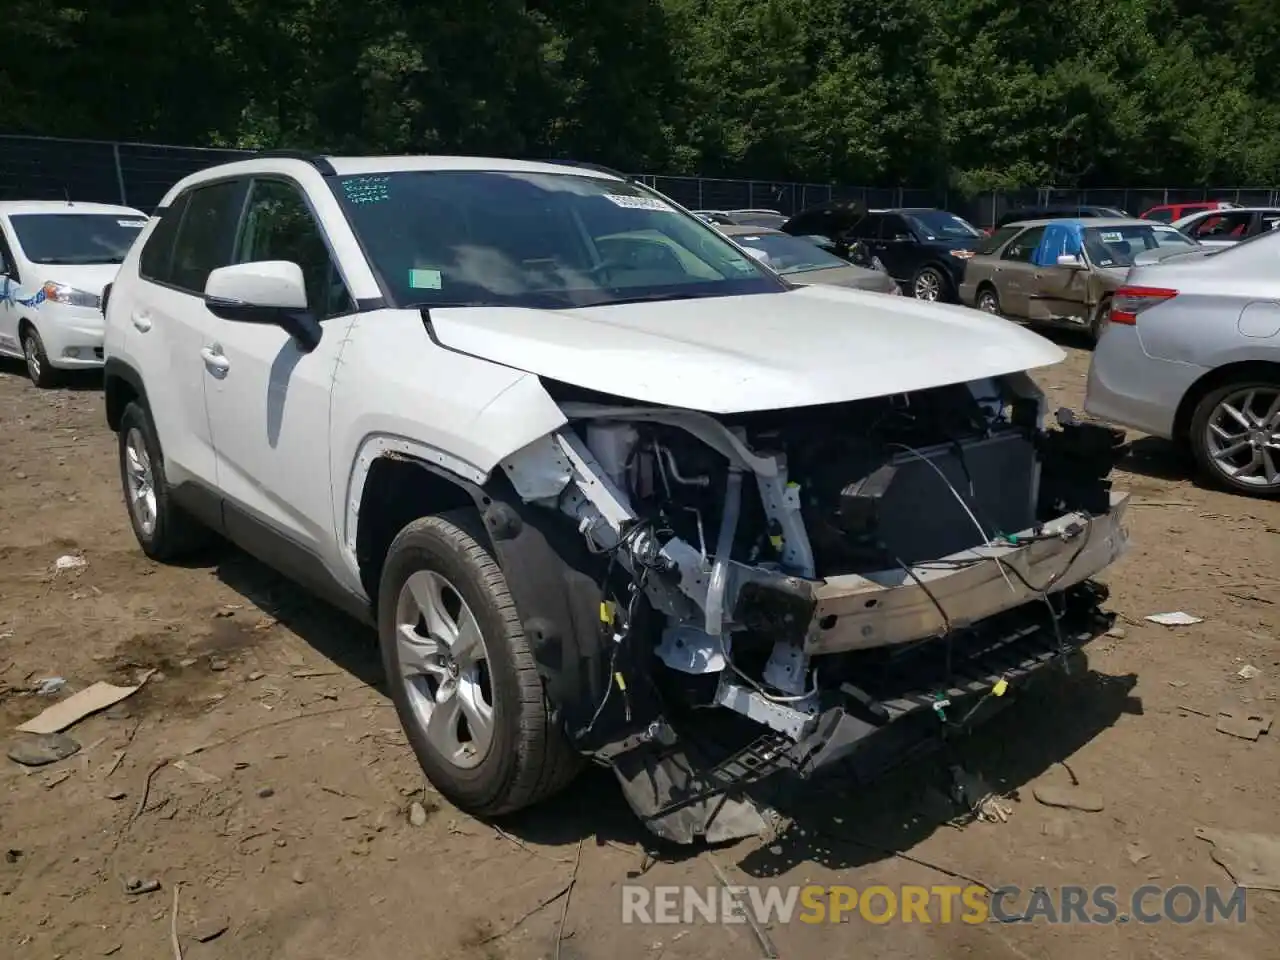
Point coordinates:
[[55, 260]]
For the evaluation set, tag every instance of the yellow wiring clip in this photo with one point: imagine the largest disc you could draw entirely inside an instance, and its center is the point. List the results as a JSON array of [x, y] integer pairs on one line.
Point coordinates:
[[1001, 686], [622, 684], [606, 612], [777, 542]]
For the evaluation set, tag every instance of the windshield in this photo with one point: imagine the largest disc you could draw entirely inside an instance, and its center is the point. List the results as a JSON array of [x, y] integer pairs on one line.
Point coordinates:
[[76, 238], [539, 240], [940, 225], [789, 254], [1117, 246]]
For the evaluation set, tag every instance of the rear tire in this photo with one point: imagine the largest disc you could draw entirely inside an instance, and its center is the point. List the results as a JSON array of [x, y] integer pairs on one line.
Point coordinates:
[[1216, 431], [1100, 319], [473, 709], [989, 301], [41, 372], [164, 530]]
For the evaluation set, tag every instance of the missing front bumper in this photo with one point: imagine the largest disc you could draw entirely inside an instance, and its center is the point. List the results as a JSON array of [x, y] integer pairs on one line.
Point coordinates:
[[859, 612]]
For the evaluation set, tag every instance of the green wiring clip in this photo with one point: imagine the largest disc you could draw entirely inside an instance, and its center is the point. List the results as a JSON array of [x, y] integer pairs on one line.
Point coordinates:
[[940, 704]]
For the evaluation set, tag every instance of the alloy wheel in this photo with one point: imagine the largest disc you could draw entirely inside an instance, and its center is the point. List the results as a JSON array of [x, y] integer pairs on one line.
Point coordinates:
[[444, 667], [32, 354], [140, 479], [1242, 437], [927, 286]]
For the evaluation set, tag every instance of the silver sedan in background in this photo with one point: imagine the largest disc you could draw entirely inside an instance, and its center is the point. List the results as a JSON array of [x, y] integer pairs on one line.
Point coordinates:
[[1191, 353]]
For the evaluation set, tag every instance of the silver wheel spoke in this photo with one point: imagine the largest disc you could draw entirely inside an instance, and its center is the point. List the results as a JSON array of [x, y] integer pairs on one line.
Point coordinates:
[[479, 715], [442, 726], [428, 593], [468, 645], [1231, 451], [1237, 415], [1271, 419], [140, 482], [419, 656], [1270, 467]]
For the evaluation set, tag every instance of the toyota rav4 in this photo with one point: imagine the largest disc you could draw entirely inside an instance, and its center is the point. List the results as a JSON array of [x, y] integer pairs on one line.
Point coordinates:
[[606, 486]]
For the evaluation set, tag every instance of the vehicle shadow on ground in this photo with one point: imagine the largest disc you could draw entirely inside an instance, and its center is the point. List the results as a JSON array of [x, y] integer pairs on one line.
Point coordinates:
[[1159, 460], [837, 822], [77, 381], [844, 824], [343, 641]]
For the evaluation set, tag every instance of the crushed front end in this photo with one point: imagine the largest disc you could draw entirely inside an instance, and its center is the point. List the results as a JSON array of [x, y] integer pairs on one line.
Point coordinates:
[[790, 590]]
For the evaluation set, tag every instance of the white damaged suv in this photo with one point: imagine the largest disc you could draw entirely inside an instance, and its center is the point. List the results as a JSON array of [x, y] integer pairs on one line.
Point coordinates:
[[607, 487]]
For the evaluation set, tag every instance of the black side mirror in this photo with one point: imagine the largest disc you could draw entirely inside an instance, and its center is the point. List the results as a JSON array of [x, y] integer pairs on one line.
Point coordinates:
[[299, 324]]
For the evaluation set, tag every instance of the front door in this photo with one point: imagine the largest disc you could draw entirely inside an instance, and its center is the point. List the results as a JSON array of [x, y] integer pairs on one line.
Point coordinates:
[[269, 400], [1016, 276]]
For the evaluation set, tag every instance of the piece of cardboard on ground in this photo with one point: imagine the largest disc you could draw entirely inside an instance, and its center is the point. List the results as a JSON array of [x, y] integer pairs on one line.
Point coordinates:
[[1252, 859], [76, 707]]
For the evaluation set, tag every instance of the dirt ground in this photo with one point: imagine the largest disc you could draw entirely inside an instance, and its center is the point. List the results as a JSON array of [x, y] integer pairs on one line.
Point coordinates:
[[286, 823]]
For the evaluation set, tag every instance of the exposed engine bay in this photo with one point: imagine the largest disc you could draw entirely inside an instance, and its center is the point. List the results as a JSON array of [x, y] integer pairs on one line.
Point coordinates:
[[816, 573]]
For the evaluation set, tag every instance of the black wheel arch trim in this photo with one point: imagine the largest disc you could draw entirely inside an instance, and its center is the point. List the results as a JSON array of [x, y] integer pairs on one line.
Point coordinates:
[[117, 370], [558, 589]]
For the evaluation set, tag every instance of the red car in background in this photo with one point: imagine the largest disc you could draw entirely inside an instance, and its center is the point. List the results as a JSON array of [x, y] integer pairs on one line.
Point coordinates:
[[1169, 212]]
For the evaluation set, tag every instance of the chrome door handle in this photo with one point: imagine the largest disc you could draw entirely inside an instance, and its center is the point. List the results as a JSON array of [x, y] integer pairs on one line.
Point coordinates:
[[141, 322], [214, 361]]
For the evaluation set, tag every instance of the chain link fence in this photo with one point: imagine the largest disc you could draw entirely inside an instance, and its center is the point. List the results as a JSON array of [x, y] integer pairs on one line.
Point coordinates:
[[138, 174]]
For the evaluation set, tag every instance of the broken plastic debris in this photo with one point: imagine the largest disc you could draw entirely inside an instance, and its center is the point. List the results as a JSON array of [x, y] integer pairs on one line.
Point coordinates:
[[1248, 672], [1175, 619], [78, 706], [1243, 723], [69, 561], [50, 686]]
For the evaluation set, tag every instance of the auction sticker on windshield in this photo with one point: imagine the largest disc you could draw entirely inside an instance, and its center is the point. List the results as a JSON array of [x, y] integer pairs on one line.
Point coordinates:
[[132, 224], [424, 279], [638, 203]]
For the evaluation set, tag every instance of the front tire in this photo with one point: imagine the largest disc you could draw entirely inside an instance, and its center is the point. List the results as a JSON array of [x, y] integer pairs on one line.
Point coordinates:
[[929, 285], [39, 369], [462, 674], [163, 529], [1235, 436]]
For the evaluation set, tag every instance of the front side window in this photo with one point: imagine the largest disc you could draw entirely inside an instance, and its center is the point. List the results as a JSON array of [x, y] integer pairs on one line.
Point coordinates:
[[539, 240], [76, 238], [1024, 247], [156, 260], [998, 239], [1117, 246], [207, 233], [940, 225], [788, 254], [278, 225]]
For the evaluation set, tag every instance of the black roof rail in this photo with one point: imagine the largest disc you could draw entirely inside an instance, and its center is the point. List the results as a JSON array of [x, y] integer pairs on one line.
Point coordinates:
[[598, 168], [321, 163]]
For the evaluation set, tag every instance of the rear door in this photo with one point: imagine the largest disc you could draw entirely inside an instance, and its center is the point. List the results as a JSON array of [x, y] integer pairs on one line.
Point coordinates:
[[168, 325], [1222, 228], [1014, 281], [898, 247]]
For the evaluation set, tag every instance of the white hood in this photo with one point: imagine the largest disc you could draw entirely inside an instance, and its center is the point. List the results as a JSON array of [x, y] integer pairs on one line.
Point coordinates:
[[764, 352], [89, 277]]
